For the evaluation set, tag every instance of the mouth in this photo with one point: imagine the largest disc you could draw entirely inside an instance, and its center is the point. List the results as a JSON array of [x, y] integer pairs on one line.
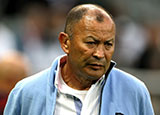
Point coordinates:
[[96, 66]]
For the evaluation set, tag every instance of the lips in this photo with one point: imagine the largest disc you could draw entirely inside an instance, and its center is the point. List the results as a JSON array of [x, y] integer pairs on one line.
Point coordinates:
[[96, 66]]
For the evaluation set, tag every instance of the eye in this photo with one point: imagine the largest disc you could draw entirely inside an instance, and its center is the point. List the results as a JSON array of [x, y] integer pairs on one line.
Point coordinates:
[[108, 45], [91, 43]]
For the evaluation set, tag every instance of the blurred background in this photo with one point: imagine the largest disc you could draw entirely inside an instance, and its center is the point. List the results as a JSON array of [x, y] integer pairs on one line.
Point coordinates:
[[29, 39]]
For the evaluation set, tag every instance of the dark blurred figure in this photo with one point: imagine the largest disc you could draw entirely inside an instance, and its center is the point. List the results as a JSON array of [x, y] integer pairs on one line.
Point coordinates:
[[13, 67], [151, 56], [132, 37]]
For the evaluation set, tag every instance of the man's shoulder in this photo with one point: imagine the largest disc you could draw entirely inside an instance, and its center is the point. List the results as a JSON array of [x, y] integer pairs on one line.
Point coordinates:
[[38, 80], [124, 75], [126, 79], [32, 83], [35, 78], [31, 92], [126, 92]]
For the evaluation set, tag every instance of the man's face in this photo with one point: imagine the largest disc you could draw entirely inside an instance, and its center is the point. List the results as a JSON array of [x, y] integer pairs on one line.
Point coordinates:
[[91, 47]]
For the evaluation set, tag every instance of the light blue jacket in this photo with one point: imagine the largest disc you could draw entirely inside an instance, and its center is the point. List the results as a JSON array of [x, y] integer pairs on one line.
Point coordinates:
[[122, 93]]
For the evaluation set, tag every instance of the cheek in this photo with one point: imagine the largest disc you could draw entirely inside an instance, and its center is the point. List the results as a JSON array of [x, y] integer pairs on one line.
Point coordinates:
[[108, 54], [108, 57], [84, 55], [82, 50], [77, 53]]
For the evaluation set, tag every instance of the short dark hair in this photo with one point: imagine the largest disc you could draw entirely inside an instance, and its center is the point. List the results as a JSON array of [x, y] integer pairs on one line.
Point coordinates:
[[76, 14]]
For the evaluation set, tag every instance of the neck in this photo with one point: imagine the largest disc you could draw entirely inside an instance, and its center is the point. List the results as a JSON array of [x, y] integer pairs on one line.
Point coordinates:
[[74, 81]]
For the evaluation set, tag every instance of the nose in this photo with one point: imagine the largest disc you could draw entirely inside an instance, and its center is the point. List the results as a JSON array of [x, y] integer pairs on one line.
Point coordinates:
[[99, 52]]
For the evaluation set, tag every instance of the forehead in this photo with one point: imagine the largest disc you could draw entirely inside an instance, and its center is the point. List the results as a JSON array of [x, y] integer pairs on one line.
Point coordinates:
[[96, 22]]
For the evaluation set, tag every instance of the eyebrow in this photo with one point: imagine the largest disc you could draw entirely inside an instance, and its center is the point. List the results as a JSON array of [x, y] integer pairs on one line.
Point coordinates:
[[96, 39], [91, 37], [112, 39]]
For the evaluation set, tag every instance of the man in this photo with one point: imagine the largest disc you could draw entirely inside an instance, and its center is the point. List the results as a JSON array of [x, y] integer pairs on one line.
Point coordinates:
[[84, 81]]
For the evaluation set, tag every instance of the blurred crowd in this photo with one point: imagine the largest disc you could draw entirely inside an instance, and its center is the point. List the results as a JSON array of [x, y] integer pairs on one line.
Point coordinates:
[[29, 36]]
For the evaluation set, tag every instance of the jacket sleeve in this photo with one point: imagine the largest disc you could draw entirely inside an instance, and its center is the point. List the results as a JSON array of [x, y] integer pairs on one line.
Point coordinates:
[[13, 104], [146, 104]]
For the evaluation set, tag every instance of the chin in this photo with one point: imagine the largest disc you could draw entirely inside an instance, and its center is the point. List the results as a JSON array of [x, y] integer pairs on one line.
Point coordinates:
[[95, 76]]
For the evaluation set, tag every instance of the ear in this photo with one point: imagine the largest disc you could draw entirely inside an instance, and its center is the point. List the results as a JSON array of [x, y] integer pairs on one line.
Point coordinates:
[[64, 41]]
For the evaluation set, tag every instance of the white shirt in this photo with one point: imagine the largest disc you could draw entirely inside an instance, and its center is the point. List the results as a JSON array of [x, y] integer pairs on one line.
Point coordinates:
[[65, 103]]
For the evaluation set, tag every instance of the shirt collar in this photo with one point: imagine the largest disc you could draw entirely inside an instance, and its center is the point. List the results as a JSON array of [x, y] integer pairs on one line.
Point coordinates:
[[61, 62]]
